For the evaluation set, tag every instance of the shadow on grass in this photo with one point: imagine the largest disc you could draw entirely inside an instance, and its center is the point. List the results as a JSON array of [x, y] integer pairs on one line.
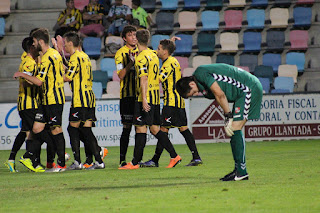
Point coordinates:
[[140, 186]]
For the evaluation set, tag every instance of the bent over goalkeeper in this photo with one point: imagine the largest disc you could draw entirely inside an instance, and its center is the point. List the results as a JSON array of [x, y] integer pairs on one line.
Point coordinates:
[[226, 83]]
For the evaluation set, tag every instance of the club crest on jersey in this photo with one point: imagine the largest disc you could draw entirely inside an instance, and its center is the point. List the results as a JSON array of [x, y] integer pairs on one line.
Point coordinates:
[[237, 110]]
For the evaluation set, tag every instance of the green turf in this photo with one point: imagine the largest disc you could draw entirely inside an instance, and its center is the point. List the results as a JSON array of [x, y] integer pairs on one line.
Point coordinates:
[[284, 177]]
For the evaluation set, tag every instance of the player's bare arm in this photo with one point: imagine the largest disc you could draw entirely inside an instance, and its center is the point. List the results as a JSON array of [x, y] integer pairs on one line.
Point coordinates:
[[144, 89], [32, 79]]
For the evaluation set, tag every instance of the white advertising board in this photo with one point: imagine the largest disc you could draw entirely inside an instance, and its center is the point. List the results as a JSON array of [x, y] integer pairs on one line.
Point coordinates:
[[282, 117], [107, 131]]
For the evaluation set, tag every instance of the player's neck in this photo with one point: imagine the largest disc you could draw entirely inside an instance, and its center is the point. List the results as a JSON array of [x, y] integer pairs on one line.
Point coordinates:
[[45, 49], [142, 47], [130, 46]]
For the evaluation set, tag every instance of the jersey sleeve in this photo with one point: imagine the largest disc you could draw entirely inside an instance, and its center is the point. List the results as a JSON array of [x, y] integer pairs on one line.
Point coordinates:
[[43, 70], [72, 68], [119, 61], [29, 68], [61, 15], [141, 67], [165, 72]]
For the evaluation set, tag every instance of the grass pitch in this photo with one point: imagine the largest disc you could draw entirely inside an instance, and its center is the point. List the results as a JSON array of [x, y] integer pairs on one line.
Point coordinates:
[[284, 177]]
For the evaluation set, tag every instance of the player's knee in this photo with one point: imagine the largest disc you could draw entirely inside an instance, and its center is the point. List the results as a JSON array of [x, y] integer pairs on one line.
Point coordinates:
[[56, 130]]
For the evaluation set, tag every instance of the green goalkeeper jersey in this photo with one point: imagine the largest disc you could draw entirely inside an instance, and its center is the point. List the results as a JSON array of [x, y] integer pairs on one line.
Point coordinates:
[[233, 81]]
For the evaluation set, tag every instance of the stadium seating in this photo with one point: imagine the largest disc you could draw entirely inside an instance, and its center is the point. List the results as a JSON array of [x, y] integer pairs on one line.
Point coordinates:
[[287, 70], [188, 71], [313, 86], [255, 18], [229, 42], [200, 60], [249, 60], [273, 60], [214, 4], [259, 3], [155, 40], [305, 1], [183, 46], [280, 91], [210, 20], [108, 65], [252, 41], [279, 17], [102, 77], [92, 46], [237, 3], [148, 5], [164, 21], [296, 58], [191, 4], [183, 61], [97, 89], [302, 16], [169, 4], [81, 4], [282, 3], [299, 39], [113, 89], [115, 76], [40, 4], [4, 7], [275, 40], [226, 59], [93, 64], [206, 43], [2, 26], [263, 71], [233, 19], [187, 20], [284, 83], [265, 82], [114, 39]]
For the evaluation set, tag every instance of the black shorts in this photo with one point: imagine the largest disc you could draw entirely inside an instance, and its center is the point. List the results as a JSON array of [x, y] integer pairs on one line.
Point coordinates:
[[50, 114], [173, 117], [127, 110], [82, 114], [27, 119], [142, 117]]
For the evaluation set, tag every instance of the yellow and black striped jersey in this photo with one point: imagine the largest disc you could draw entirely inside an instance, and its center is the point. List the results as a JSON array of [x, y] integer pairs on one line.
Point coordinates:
[[79, 71], [24, 55], [74, 15], [127, 84], [94, 9], [147, 64], [51, 74], [28, 94], [170, 73]]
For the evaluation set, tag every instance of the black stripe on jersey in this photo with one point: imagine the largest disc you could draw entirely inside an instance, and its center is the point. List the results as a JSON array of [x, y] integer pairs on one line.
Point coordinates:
[[150, 96], [61, 94], [72, 89], [158, 96], [19, 105], [91, 98], [174, 86], [54, 80], [32, 94], [166, 91], [80, 80], [25, 97], [46, 92], [155, 97], [87, 97]]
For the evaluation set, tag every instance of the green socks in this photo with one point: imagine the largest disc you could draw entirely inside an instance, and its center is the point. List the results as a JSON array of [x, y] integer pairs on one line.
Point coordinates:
[[238, 146]]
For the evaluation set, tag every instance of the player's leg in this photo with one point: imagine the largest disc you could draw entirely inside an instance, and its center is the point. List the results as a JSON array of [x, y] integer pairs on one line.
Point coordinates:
[[19, 140], [124, 143]]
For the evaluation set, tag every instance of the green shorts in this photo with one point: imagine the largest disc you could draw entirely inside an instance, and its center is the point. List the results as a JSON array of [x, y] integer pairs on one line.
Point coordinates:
[[248, 105]]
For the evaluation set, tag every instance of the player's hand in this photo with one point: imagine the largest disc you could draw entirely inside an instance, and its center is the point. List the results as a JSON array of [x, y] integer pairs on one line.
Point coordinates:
[[54, 43], [228, 124], [60, 43], [175, 38], [146, 107], [16, 75]]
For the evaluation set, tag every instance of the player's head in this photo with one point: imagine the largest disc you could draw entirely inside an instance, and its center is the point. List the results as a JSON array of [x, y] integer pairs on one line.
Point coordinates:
[[136, 4], [128, 34], [27, 46], [33, 30], [40, 38], [165, 48], [71, 41], [187, 86], [143, 37], [70, 4]]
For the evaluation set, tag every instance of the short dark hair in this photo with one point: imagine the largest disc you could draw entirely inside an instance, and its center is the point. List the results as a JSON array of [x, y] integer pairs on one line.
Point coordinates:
[[143, 36], [67, 1], [183, 86], [41, 34], [27, 44], [136, 2], [128, 29], [33, 30], [168, 45], [73, 37]]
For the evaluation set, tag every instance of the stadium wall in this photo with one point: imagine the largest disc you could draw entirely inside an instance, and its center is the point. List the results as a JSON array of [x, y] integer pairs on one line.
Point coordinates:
[[283, 117]]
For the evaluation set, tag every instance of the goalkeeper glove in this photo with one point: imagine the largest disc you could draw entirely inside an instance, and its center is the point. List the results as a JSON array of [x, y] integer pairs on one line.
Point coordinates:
[[228, 124]]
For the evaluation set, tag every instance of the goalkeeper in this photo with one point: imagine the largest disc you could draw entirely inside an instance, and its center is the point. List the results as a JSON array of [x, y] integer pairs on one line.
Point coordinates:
[[226, 83]]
